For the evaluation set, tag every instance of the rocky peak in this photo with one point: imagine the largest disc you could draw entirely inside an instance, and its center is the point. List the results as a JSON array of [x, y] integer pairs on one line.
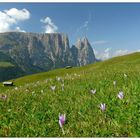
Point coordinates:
[[85, 54], [82, 43], [86, 42]]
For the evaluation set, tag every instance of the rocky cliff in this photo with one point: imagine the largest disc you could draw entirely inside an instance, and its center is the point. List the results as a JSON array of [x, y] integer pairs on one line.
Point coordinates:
[[32, 52], [83, 53]]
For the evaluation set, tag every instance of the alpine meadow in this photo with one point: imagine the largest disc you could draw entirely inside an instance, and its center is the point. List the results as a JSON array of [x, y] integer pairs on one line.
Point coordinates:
[[31, 107], [69, 70]]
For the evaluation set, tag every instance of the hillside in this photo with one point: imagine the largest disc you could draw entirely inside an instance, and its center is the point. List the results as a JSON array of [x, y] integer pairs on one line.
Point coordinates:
[[36, 52], [8, 69], [31, 107]]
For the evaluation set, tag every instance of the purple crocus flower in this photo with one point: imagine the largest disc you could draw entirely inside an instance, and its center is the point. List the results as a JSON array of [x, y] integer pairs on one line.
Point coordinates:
[[102, 106], [120, 95], [62, 119]]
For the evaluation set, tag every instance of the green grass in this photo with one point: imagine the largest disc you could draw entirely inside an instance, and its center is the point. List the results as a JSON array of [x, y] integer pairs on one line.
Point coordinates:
[[31, 108], [6, 64]]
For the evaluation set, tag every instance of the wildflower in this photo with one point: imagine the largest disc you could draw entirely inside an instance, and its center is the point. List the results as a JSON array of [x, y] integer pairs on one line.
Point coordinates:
[[62, 119], [16, 88], [3, 97], [102, 106], [125, 75], [120, 95], [114, 83], [93, 91], [27, 90], [58, 78], [75, 74], [9, 110], [53, 88]]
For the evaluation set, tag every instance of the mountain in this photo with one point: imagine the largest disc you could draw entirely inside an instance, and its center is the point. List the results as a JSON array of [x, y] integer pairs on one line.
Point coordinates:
[[83, 53], [34, 52]]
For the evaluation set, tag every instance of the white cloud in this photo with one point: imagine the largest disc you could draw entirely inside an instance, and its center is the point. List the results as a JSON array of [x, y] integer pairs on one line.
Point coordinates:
[[49, 27], [103, 55], [84, 26], [109, 53], [11, 17], [18, 15], [138, 51], [107, 50], [18, 29], [5, 22], [106, 54], [100, 42], [121, 52]]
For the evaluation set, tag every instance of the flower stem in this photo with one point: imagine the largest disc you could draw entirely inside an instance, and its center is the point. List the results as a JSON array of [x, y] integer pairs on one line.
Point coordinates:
[[63, 131]]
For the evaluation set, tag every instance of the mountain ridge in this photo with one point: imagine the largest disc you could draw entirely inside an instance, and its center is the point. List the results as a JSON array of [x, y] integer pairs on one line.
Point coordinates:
[[38, 52]]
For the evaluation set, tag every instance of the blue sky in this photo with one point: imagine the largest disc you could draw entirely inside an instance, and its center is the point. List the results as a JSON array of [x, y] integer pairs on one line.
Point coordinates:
[[112, 29]]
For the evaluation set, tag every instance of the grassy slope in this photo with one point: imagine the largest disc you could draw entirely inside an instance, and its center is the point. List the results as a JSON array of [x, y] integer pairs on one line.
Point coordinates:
[[6, 64], [32, 108], [8, 70]]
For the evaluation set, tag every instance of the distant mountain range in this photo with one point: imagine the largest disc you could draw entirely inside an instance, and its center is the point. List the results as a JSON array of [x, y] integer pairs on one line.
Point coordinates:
[[27, 53]]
